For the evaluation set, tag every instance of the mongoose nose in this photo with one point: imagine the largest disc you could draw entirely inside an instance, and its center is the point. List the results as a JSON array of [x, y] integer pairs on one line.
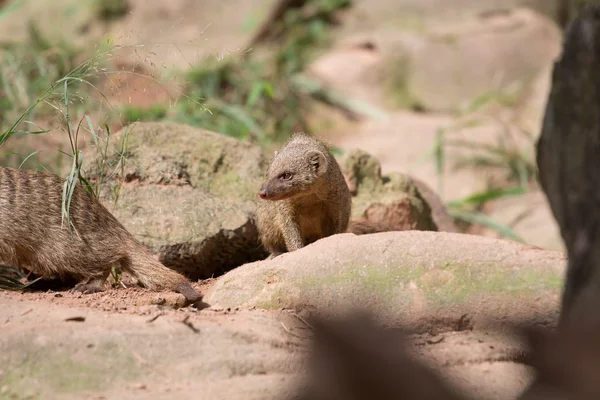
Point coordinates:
[[263, 194]]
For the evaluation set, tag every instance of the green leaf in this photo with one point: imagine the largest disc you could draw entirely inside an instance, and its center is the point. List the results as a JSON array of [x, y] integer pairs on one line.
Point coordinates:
[[489, 195], [475, 217]]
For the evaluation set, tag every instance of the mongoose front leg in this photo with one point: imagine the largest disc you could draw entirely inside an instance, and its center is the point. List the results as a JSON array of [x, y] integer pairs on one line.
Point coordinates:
[[273, 255], [292, 237]]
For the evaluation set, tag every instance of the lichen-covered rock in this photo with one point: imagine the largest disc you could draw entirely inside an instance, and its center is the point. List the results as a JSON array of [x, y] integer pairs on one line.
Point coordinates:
[[396, 201], [439, 212], [167, 153], [187, 193], [412, 277], [361, 169], [399, 215]]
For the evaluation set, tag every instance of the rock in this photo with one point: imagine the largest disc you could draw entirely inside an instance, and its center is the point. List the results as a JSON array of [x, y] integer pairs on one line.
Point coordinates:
[[396, 201], [161, 27], [439, 212], [249, 357], [394, 67], [413, 14], [399, 215], [361, 169], [411, 277], [187, 193]]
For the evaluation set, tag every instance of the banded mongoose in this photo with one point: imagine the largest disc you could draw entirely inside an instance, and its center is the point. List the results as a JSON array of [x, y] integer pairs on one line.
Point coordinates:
[[305, 197], [34, 236]]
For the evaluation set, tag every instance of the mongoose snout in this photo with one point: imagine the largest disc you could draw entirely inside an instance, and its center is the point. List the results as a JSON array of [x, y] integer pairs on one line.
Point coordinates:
[[279, 188]]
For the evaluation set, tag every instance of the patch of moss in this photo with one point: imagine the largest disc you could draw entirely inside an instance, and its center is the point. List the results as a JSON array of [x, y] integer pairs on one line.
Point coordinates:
[[447, 38], [156, 112], [57, 370], [411, 22], [109, 10], [357, 278], [469, 282], [398, 88], [389, 284]]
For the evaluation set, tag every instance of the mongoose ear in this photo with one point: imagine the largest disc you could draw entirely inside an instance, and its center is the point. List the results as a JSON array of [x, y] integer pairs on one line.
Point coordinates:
[[318, 162], [275, 153]]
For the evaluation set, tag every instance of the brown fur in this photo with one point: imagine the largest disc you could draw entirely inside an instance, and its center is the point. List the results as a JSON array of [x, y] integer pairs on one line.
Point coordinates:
[[34, 236], [305, 197], [360, 227]]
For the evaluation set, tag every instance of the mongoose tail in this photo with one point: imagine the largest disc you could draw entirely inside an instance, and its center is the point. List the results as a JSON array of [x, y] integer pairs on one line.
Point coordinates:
[[153, 275], [359, 227]]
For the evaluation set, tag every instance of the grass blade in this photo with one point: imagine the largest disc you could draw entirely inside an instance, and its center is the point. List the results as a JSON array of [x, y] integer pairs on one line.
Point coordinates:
[[8, 282], [489, 195], [475, 217]]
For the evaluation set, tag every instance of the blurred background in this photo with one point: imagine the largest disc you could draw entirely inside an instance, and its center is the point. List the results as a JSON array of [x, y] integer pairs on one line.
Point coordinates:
[[451, 92]]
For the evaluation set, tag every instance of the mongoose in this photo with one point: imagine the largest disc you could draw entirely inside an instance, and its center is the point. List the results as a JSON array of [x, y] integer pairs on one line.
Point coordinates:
[[305, 197], [34, 236]]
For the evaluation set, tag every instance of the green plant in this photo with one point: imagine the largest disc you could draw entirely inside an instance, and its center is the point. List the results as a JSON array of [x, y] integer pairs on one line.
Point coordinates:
[[111, 9], [265, 96], [28, 69], [512, 157], [11, 279], [117, 275], [468, 210], [156, 112]]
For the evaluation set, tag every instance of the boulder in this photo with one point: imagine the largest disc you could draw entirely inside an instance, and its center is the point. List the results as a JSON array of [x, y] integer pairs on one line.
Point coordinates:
[[448, 280], [185, 192], [395, 201], [449, 66]]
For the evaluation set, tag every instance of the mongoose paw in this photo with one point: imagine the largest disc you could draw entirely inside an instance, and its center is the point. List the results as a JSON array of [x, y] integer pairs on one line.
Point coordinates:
[[273, 255], [88, 288]]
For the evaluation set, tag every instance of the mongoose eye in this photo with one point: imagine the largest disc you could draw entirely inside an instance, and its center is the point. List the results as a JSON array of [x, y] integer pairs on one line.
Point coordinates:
[[286, 176]]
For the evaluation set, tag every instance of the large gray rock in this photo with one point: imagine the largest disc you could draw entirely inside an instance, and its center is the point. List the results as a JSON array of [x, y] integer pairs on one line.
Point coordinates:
[[414, 276], [187, 193], [444, 67]]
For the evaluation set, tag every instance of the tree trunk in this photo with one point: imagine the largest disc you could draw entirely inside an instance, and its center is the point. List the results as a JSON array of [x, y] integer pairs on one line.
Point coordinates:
[[568, 158], [569, 9]]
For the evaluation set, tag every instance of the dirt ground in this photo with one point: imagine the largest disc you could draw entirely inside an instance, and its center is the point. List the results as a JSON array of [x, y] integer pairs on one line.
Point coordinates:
[[483, 364]]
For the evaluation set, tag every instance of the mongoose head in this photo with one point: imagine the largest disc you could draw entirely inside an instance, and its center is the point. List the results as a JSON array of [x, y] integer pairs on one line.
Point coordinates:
[[292, 175]]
